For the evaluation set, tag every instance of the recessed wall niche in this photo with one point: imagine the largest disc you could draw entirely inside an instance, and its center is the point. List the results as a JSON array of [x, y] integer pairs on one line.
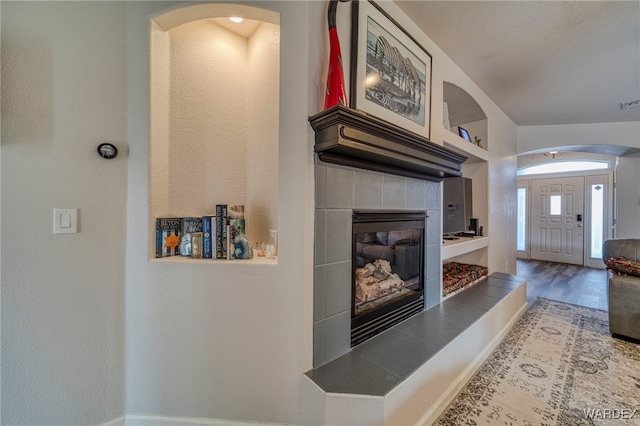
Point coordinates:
[[215, 114], [465, 112]]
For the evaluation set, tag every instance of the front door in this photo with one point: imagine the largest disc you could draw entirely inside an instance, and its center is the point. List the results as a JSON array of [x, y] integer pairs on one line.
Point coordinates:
[[557, 206]]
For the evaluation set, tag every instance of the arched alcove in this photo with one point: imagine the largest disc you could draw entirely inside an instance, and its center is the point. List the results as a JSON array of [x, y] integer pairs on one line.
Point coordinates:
[[214, 102], [464, 112]]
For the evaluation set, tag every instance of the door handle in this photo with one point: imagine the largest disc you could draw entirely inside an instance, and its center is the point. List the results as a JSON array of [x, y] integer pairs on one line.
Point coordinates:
[[579, 225]]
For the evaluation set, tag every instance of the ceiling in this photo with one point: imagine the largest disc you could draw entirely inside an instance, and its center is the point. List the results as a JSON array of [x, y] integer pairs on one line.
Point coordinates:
[[543, 62]]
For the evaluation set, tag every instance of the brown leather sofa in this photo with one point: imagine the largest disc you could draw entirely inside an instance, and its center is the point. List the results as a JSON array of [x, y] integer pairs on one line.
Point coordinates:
[[623, 290]]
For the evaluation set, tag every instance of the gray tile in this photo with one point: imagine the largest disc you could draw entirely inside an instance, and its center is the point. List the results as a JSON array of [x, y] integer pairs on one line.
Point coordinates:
[[434, 227], [321, 184], [507, 277], [432, 292], [319, 343], [338, 279], [492, 280], [320, 236], [319, 293], [433, 262], [416, 194], [399, 353], [434, 195], [338, 238], [368, 190], [485, 289], [354, 375], [395, 194], [456, 312], [474, 300], [340, 181], [435, 329], [338, 341]]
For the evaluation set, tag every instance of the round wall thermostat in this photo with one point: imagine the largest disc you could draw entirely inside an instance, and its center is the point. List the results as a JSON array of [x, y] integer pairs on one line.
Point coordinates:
[[107, 150]]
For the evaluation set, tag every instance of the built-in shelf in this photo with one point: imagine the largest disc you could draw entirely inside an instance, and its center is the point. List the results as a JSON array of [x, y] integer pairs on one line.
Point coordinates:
[[256, 260], [474, 153], [453, 248]]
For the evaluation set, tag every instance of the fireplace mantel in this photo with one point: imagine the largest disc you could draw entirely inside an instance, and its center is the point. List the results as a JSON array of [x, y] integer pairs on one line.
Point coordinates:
[[352, 138]]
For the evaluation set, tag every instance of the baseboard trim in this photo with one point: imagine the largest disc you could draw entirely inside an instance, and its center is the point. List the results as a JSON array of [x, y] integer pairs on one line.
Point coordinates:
[[115, 422], [141, 420], [438, 408]]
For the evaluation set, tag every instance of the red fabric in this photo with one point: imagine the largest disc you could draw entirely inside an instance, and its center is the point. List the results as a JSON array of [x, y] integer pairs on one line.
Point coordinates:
[[457, 276], [335, 91], [623, 266]]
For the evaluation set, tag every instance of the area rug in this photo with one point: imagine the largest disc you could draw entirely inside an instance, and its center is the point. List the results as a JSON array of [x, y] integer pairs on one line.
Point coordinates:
[[558, 365]]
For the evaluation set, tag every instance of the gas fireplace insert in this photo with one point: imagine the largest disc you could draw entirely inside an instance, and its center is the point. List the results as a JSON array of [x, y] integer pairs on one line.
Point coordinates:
[[388, 270]]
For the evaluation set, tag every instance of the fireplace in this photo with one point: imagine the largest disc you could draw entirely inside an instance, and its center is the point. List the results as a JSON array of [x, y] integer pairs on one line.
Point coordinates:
[[387, 270]]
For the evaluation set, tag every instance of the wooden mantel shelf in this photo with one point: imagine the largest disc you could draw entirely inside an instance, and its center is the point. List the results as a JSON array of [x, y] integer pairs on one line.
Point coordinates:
[[352, 138]]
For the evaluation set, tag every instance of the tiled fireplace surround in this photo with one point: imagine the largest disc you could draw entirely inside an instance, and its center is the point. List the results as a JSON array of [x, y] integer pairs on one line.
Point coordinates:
[[339, 191]]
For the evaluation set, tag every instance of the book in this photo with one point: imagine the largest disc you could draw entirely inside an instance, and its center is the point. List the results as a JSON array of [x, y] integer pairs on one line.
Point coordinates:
[[187, 226], [196, 245], [221, 228], [208, 237], [167, 236]]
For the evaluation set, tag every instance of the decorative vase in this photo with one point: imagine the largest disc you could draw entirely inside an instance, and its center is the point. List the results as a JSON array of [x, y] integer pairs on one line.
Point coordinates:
[[335, 92]]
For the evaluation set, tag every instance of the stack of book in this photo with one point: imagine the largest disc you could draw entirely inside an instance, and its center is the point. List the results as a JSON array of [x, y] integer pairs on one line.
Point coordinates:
[[207, 237]]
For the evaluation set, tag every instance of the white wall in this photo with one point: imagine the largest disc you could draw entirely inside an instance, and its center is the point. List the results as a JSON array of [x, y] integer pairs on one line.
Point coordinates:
[[262, 135], [628, 197], [223, 340], [63, 93], [625, 134]]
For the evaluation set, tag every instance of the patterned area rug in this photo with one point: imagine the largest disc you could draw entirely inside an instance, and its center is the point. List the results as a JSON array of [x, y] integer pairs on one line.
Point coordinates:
[[557, 366]]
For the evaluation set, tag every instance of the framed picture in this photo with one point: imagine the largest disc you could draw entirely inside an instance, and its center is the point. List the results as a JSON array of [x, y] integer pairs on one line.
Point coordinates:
[[464, 134], [390, 70]]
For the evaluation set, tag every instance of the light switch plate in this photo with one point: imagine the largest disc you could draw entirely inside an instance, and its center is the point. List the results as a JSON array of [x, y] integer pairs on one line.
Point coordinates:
[[65, 221]]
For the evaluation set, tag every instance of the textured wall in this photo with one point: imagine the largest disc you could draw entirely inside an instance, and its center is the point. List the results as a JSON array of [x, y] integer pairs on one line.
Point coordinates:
[[215, 98], [628, 176], [209, 339], [63, 93], [262, 134]]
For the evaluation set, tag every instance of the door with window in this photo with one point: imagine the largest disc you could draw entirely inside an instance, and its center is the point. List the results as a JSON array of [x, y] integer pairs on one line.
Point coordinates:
[[557, 218]]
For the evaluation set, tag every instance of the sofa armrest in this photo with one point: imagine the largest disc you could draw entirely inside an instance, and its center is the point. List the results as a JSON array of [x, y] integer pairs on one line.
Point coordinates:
[[626, 247]]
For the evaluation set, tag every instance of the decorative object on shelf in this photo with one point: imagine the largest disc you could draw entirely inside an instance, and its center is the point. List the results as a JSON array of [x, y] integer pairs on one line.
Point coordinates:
[[266, 250], [445, 116], [335, 91], [107, 151], [390, 70], [242, 247], [464, 134], [553, 154], [477, 141]]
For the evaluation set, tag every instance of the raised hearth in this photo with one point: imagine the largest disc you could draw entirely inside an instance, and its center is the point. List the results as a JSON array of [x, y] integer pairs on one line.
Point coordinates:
[[409, 373]]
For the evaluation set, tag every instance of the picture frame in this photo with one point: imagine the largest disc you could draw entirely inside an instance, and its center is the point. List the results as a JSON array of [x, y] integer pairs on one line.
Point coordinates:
[[464, 134], [390, 70]]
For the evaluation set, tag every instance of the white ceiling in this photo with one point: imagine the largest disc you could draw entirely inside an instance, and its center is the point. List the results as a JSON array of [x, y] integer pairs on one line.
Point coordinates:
[[543, 62]]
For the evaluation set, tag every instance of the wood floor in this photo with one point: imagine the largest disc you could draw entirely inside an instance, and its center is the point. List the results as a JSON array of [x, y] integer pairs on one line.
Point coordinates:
[[566, 283]]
